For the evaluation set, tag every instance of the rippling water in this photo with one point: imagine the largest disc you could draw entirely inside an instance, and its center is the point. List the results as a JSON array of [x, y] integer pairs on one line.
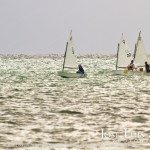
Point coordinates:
[[40, 110]]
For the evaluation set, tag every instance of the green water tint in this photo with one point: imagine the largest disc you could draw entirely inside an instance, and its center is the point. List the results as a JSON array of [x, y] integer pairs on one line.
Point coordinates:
[[38, 106]]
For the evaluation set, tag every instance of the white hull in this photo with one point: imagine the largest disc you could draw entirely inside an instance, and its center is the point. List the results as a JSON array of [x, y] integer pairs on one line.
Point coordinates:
[[71, 75], [127, 72]]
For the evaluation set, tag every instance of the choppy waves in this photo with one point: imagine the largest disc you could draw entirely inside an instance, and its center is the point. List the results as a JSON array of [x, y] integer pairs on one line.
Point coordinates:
[[39, 107]]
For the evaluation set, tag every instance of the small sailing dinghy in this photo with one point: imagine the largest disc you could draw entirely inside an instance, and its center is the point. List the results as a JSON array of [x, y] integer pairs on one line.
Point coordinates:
[[124, 57], [139, 59], [140, 56], [70, 64]]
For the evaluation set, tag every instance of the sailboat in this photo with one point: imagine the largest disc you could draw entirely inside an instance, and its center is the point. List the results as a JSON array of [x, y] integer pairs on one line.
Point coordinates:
[[124, 57], [139, 59], [140, 56], [70, 62]]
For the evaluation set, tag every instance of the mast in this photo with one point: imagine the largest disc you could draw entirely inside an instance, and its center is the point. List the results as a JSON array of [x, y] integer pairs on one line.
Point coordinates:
[[139, 34], [139, 38], [65, 57], [117, 57], [135, 51], [118, 52]]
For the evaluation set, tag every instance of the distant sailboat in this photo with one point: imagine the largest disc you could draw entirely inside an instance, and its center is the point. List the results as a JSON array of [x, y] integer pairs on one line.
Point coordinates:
[[70, 62], [140, 56], [124, 57]]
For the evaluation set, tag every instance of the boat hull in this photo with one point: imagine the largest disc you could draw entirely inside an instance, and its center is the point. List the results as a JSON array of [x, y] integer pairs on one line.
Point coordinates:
[[71, 75], [127, 72]]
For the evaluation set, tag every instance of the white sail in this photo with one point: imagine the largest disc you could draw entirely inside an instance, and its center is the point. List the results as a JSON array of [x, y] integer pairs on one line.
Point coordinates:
[[140, 56], [124, 56], [70, 59]]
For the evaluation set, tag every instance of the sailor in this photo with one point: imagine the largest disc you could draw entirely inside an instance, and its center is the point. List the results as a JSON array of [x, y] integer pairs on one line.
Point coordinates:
[[131, 66], [147, 69], [81, 70]]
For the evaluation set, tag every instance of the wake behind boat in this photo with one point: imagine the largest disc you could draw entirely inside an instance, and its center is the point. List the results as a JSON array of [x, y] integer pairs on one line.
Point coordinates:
[[70, 62]]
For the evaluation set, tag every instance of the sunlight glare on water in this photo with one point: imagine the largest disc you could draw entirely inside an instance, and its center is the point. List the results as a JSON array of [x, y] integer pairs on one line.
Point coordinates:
[[40, 107]]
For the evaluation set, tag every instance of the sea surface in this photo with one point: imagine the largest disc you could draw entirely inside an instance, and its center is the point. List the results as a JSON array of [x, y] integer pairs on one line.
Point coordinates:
[[39, 110]]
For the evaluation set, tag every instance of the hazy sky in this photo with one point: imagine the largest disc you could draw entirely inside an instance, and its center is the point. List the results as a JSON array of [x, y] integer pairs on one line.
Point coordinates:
[[43, 26]]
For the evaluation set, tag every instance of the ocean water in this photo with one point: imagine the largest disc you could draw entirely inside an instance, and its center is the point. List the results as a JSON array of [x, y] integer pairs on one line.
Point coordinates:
[[39, 110]]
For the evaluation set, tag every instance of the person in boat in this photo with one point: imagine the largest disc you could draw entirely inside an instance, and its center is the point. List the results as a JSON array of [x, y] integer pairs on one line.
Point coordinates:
[[81, 70], [131, 66], [147, 69]]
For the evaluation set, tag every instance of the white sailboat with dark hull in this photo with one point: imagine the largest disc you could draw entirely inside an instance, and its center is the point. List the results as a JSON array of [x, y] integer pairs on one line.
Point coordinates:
[[70, 63], [124, 57]]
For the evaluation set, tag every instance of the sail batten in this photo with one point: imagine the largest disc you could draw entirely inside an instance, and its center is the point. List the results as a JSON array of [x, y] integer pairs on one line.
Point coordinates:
[[124, 56]]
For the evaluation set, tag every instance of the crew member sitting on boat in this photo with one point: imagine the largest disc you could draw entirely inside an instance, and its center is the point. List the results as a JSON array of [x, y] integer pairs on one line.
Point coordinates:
[[147, 69], [81, 70], [131, 66]]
